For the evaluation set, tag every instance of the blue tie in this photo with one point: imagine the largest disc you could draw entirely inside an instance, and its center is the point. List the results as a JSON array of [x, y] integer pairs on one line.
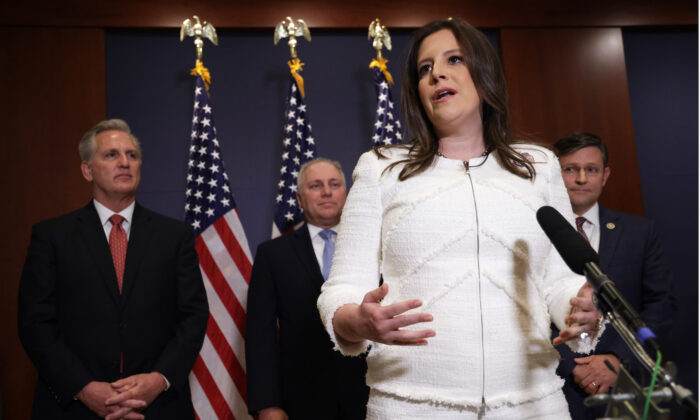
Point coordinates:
[[328, 249]]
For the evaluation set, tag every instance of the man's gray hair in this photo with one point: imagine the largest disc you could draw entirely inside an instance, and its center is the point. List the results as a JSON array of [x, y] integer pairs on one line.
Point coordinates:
[[305, 166], [87, 145]]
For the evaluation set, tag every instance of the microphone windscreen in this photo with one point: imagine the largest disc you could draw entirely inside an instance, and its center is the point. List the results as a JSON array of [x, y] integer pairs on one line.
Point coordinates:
[[574, 250]]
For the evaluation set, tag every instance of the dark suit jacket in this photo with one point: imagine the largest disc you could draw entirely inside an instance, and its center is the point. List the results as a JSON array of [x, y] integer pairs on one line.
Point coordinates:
[[632, 257], [74, 324], [296, 368]]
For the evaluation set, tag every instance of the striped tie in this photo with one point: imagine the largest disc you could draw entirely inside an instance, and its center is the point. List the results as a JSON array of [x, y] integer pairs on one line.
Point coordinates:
[[579, 227]]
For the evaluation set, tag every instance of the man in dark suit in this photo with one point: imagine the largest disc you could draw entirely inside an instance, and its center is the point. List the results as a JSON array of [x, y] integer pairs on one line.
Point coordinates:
[[112, 308], [632, 257], [293, 371]]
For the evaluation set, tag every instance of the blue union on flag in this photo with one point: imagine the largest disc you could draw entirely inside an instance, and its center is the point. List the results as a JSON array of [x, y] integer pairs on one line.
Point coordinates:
[[387, 127], [298, 147]]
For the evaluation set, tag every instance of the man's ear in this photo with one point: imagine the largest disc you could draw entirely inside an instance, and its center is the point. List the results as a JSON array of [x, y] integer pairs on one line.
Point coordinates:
[[86, 170], [606, 175], [299, 201]]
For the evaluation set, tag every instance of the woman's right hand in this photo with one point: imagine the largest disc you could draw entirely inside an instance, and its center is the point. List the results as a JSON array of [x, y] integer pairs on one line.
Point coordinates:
[[383, 324]]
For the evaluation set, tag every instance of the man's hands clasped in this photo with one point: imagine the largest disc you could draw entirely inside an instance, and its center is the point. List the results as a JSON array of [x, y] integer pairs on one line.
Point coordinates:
[[125, 398]]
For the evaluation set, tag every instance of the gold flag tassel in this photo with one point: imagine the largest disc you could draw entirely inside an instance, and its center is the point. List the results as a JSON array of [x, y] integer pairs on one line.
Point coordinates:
[[202, 71], [380, 63], [295, 66]]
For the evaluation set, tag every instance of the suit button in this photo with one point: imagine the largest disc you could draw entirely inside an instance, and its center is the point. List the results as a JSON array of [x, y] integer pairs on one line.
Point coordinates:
[[122, 326]]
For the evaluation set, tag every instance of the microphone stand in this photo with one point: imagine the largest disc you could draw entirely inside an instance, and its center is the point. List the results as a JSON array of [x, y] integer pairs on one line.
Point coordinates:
[[682, 395]]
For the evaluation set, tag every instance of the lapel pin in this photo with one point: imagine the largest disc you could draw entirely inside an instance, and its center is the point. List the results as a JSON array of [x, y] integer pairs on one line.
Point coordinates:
[[610, 225]]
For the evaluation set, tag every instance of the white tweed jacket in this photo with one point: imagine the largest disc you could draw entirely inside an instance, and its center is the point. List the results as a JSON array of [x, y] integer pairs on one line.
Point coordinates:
[[467, 243]]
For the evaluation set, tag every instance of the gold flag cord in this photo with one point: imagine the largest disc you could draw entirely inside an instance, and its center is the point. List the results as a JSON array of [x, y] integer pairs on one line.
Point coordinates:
[[199, 69], [295, 66], [381, 64]]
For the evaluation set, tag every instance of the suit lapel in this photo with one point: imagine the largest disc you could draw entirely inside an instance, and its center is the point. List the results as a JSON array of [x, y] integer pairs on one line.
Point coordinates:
[[93, 234], [609, 238], [305, 252], [139, 238]]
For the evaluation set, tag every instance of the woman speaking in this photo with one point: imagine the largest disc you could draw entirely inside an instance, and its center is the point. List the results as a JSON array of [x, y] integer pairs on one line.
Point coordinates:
[[460, 327]]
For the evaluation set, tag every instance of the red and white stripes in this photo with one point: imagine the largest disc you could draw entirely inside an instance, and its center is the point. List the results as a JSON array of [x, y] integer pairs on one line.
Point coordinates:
[[218, 378]]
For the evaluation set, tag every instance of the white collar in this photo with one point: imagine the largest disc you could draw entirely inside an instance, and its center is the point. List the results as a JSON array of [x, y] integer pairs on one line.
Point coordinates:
[[593, 215], [314, 230], [105, 213]]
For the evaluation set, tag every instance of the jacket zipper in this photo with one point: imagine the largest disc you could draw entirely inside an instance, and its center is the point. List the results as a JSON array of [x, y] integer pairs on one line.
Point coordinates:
[[482, 408]]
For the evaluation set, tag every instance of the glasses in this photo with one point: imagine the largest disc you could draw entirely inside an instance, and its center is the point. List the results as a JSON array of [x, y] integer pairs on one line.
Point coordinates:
[[574, 171]]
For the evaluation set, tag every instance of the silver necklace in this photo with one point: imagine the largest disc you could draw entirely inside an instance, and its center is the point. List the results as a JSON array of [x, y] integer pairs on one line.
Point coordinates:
[[466, 162]]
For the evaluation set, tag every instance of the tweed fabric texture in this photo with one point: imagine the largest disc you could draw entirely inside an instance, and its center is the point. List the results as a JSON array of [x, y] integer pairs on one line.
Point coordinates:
[[388, 407], [467, 243]]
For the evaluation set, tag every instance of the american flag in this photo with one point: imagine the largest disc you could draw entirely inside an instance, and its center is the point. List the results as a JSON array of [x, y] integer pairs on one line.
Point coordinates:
[[387, 127], [218, 378], [298, 147]]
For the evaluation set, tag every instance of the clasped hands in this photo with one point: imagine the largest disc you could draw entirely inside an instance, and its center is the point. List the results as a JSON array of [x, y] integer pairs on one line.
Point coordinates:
[[383, 324], [593, 375], [125, 398]]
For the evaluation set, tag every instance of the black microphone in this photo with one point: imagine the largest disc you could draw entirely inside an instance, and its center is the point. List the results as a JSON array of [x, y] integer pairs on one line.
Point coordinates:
[[582, 259]]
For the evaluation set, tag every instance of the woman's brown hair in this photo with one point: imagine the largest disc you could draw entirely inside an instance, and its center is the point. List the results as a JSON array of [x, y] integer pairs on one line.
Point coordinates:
[[487, 74]]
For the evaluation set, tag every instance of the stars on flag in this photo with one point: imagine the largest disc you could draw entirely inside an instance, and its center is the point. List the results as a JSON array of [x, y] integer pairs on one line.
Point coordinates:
[[387, 127], [299, 147], [207, 195]]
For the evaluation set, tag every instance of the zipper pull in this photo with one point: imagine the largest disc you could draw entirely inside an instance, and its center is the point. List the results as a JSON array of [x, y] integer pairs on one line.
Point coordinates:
[[466, 165]]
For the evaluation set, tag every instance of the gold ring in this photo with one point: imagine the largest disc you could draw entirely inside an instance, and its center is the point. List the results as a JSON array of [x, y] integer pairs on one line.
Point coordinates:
[[594, 384]]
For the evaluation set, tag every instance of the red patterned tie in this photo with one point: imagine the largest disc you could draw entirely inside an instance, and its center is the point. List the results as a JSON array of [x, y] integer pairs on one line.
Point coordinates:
[[117, 244], [579, 227]]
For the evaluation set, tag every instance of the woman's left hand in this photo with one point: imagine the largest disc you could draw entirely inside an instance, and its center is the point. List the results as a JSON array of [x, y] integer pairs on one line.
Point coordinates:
[[584, 316]]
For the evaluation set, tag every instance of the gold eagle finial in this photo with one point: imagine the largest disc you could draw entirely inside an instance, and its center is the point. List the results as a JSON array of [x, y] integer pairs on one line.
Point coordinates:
[[193, 27], [291, 29], [381, 37]]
